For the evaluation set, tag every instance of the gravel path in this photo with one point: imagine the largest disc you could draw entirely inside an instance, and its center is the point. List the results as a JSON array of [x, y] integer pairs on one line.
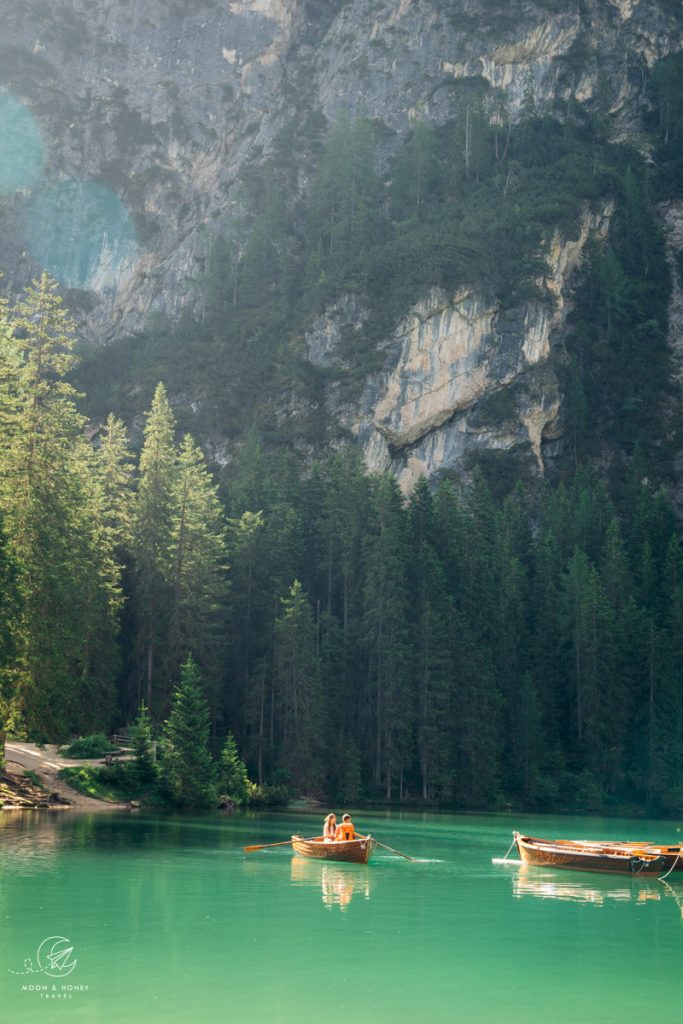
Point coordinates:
[[46, 763]]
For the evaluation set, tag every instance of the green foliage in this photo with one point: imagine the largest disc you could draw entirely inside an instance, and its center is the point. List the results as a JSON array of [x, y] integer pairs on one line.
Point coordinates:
[[151, 530], [196, 566], [276, 795], [96, 745], [110, 783], [298, 691], [464, 647], [667, 123], [33, 778], [386, 636], [9, 618], [619, 377], [178, 540], [467, 647], [233, 778], [67, 572], [188, 773], [144, 747]]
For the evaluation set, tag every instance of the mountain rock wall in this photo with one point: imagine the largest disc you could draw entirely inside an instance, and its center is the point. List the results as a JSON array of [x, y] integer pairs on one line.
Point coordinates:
[[150, 112], [460, 374], [164, 105]]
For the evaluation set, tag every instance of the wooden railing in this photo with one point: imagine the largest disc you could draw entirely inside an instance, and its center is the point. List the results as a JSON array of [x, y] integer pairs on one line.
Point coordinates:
[[122, 739]]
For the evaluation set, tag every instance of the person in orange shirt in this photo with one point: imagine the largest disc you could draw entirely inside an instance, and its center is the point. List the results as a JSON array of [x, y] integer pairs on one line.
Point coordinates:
[[345, 831]]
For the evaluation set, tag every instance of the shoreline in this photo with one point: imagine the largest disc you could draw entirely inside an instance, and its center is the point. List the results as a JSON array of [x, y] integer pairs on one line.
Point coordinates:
[[51, 792]]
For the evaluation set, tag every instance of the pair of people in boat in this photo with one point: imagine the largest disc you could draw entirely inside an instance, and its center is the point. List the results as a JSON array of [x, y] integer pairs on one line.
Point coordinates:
[[334, 833]]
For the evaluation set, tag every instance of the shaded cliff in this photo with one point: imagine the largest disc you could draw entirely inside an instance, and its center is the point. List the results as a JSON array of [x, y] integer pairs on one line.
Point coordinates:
[[139, 127]]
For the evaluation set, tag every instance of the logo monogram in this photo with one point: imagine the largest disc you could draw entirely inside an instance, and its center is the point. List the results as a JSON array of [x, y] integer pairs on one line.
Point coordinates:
[[53, 958]]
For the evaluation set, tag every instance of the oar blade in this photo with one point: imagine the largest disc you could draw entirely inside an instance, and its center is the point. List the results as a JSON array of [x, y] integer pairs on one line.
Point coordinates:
[[285, 842], [266, 846]]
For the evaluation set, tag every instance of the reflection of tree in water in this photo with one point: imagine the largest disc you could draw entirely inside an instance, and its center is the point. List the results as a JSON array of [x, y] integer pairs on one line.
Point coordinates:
[[597, 890], [31, 840], [338, 882]]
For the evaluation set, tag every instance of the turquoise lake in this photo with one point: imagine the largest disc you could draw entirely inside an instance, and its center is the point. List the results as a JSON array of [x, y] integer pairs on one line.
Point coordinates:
[[169, 921]]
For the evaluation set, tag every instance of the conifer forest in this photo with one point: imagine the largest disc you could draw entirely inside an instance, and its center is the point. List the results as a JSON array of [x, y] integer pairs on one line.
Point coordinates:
[[489, 637]]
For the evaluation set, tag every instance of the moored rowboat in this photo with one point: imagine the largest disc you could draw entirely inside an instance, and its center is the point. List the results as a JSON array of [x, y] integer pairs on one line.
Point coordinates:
[[590, 855], [354, 851], [672, 853]]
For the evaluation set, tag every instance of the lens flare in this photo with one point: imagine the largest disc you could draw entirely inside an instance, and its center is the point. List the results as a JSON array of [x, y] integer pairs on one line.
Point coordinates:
[[22, 150], [82, 234]]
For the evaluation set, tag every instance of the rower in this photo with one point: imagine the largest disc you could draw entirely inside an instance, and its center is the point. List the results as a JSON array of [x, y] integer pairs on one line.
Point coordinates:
[[345, 832]]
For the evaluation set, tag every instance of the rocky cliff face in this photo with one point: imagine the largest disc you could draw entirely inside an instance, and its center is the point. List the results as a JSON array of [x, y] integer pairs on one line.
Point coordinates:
[[147, 112], [461, 375]]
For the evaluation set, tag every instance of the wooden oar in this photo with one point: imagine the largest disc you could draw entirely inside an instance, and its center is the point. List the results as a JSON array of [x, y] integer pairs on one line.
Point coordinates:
[[287, 842], [389, 848]]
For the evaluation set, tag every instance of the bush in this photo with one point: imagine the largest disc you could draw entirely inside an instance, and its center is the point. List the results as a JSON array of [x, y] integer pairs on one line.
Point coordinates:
[[103, 783], [267, 796], [96, 745]]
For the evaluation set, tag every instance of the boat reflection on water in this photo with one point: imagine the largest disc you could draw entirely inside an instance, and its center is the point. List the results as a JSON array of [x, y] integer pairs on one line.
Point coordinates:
[[528, 881], [338, 883]]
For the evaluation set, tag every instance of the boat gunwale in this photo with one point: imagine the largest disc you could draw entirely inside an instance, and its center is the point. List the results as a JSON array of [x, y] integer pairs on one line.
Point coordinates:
[[351, 851], [546, 846], [337, 844], [566, 854]]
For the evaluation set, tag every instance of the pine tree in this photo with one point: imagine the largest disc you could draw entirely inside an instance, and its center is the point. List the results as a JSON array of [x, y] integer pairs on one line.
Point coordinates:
[[478, 734], [263, 266], [344, 206], [109, 480], [9, 619], [416, 174], [50, 497], [247, 614], [389, 703], [233, 777], [547, 660], [144, 749], [298, 691], [151, 536], [196, 568], [511, 554], [188, 773], [433, 664], [597, 718], [115, 470]]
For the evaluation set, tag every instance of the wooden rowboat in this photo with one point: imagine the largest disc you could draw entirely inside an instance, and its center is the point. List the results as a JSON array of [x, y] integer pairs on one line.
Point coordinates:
[[672, 853], [354, 851], [615, 858]]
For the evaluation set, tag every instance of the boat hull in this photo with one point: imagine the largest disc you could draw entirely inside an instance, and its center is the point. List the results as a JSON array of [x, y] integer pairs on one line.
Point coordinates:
[[672, 855], [589, 856], [356, 851]]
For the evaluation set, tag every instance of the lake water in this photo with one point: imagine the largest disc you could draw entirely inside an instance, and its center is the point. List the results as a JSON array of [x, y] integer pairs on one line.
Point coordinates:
[[169, 921]]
